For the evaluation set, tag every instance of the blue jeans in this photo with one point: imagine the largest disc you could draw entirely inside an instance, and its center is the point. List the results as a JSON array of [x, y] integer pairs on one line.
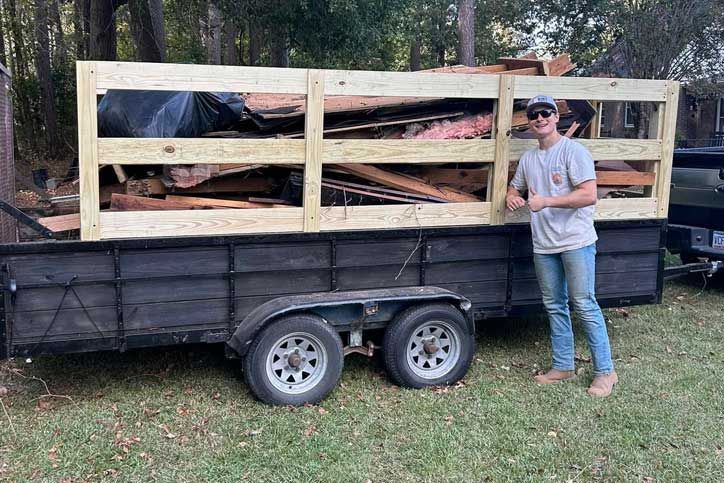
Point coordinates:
[[573, 273]]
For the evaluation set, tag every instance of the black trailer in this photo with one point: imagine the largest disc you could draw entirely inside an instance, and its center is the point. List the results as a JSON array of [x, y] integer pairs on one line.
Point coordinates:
[[291, 306]]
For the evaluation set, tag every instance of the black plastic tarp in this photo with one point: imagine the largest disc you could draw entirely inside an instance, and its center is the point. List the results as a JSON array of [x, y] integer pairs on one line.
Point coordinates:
[[164, 114]]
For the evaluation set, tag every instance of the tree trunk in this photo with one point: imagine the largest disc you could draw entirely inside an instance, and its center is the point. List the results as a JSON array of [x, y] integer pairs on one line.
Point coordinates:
[[3, 59], [103, 29], [279, 47], [45, 80], [148, 30], [231, 34], [60, 52], [213, 34], [440, 47], [415, 54], [255, 41], [466, 32], [79, 32]]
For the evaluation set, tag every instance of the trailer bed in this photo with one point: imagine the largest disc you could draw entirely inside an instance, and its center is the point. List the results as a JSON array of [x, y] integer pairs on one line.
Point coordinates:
[[61, 297]]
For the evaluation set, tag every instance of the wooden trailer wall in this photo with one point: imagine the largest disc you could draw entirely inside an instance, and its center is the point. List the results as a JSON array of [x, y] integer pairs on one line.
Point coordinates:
[[313, 151]]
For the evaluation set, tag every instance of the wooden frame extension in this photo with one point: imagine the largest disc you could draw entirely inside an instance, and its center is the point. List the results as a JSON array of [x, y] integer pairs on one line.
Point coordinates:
[[314, 151]]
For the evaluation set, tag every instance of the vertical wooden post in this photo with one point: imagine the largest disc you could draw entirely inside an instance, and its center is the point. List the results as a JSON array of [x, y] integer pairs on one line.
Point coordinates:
[[499, 178], [663, 176], [313, 132], [656, 127], [595, 126], [88, 151]]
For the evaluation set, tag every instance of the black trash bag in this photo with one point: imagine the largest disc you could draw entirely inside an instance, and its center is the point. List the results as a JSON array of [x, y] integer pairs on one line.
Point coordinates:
[[166, 114]]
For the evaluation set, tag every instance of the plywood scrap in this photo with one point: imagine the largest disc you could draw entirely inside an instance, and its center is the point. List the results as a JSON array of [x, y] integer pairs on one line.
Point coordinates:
[[406, 183]]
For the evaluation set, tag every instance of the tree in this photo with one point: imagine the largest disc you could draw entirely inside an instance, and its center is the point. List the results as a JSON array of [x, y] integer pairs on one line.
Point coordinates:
[[103, 29], [147, 26], [47, 90], [466, 32], [212, 33]]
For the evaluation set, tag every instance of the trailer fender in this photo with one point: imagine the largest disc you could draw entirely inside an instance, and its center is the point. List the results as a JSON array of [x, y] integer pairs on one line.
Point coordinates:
[[368, 302]]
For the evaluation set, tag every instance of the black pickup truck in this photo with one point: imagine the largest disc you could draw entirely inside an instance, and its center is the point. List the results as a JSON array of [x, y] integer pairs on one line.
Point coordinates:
[[696, 209]]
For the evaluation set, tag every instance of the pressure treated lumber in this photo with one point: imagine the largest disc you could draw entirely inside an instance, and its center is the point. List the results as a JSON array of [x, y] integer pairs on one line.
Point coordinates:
[[606, 209], [602, 149], [86, 81], [313, 128], [591, 88], [663, 178], [120, 202], [496, 193], [406, 183]]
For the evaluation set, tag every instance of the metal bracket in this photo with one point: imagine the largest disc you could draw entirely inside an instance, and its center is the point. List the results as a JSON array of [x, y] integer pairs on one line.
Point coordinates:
[[25, 219]]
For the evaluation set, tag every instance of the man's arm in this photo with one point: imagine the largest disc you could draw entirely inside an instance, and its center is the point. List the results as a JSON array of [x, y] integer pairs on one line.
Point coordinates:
[[513, 199], [583, 195]]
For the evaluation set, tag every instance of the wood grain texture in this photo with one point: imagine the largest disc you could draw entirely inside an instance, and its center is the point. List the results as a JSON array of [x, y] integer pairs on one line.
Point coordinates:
[[656, 131], [86, 76], [603, 149], [134, 151], [499, 186], [199, 222], [591, 88], [140, 151], [663, 178], [313, 129], [61, 222], [404, 216], [219, 203], [121, 202], [188, 77], [606, 209], [369, 83]]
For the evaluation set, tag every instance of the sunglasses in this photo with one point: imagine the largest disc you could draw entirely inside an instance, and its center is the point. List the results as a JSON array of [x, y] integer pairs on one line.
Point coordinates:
[[546, 113]]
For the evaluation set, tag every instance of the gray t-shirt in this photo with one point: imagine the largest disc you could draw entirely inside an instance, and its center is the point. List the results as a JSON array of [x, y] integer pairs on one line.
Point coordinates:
[[556, 172]]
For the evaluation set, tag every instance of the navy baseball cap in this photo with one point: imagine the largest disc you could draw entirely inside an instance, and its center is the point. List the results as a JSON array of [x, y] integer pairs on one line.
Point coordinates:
[[540, 101]]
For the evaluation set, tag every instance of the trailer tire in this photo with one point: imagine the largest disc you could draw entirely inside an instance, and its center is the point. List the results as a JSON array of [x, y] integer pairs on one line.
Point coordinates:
[[428, 345], [295, 360]]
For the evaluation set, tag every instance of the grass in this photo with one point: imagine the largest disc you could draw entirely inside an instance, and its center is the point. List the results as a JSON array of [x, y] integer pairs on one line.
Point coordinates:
[[185, 415]]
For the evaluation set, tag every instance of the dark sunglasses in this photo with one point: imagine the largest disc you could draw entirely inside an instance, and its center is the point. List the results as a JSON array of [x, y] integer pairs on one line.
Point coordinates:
[[546, 113]]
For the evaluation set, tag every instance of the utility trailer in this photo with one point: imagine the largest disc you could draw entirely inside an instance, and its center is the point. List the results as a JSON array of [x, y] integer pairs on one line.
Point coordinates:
[[293, 290]]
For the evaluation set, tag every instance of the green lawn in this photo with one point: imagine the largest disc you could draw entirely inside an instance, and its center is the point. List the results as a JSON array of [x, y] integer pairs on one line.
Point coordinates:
[[185, 414]]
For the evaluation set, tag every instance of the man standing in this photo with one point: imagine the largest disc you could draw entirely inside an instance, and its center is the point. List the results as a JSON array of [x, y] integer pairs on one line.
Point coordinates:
[[561, 182]]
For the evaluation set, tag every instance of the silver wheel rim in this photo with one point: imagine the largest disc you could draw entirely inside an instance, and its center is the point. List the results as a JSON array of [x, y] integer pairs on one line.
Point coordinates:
[[296, 363], [433, 349]]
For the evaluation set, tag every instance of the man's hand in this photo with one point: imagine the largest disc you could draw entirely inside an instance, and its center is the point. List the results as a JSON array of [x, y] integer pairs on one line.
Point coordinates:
[[514, 202], [535, 201]]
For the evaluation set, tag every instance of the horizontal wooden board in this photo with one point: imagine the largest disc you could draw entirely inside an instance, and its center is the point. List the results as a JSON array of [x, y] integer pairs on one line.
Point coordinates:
[[606, 209], [480, 293], [382, 276], [376, 83], [337, 218], [610, 241], [415, 151], [164, 262], [188, 77], [175, 290], [606, 263], [602, 149], [142, 151], [369, 253], [168, 315], [607, 284], [61, 268], [71, 322], [469, 247], [591, 88], [33, 299], [282, 256], [130, 151], [147, 224], [286, 282], [466, 271]]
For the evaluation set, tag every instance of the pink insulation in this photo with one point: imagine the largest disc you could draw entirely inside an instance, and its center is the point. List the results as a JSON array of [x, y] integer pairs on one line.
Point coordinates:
[[466, 127]]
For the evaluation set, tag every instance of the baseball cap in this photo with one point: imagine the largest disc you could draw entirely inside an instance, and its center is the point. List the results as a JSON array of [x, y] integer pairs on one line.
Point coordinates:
[[541, 100]]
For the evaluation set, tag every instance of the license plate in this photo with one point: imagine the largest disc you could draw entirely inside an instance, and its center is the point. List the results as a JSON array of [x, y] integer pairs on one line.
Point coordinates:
[[718, 239]]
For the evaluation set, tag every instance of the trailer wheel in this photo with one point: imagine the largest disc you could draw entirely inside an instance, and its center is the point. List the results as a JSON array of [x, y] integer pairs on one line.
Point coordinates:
[[428, 345], [296, 360]]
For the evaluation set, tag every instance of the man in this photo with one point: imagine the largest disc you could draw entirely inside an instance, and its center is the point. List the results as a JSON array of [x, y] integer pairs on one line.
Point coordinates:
[[561, 182]]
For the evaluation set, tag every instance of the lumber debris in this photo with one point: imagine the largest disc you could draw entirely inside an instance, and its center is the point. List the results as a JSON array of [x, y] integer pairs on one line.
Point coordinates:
[[61, 222]]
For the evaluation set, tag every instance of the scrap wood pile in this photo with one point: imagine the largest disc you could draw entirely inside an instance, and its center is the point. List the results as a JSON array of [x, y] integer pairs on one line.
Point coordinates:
[[243, 186]]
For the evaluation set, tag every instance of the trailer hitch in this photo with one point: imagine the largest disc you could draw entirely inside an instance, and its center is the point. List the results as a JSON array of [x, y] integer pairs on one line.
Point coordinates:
[[706, 268]]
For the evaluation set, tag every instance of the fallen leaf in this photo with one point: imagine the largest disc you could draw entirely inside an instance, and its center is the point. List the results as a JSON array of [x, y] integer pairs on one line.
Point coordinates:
[[182, 411], [552, 434], [168, 393], [323, 411], [188, 390], [3, 391], [310, 431], [582, 358], [149, 413], [43, 405], [449, 420], [243, 444], [253, 432], [216, 396], [668, 349], [53, 453]]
